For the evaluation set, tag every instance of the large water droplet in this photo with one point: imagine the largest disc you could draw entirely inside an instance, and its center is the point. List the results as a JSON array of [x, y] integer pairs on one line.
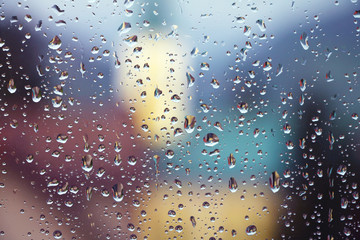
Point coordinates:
[[55, 43], [304, 41], [274, 182], [118, 192], [211, 139], [251, 230], [189, 124], [87, 163], [124, 28], [57, 234], [233, 186]]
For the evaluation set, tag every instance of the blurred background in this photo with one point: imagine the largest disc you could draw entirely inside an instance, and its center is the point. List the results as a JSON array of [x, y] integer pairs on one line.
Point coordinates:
[[179, 119]]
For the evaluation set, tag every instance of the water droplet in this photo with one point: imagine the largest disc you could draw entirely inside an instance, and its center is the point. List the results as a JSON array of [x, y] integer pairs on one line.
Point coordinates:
[[14, 123], [206, 204], [302, 84], [261, 25], [193, 221], [274, 182], [131, 41], [61, 138], [287, 128], [218, 126], [82, 69], [169, 154], [302, 143], [243, 107], [329, 77], [100, 172], [178, 132], [157, 92], [279, 69], [205, 108], [233, 186], [247, 30], [117, 146], [211, 139], [304, 41], [11, 86], [89, 193], [156, 159], [57, 234], [57, 10], [215, 83], [251, 230], [118, 192], [341, 170], [36, 94], [58, 89], [231, 161], [189, 124], [124, 28], [87, 163], [267, 66], [55, 43], [117, 160], [29, 158], [356, 14], [132, 160], [178, 183]]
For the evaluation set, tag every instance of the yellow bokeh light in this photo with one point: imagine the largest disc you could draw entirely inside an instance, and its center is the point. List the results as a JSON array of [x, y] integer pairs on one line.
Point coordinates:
[[166, 60]]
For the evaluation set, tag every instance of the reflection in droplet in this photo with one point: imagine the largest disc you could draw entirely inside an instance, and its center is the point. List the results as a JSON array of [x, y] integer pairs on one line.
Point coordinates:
[[302, 84], [117, 146], [132, 160], [279, 69], [341, 170], [329, 77], [87, 163], [211, 139], [118, 192], [117, 160], [243, 107], [190, 79], [247, 30], [89, 193], [29, 158], [131, 41], [274, 182], [231, 161], [189, 124], [267, 66], [178, 183], [356, 14], [204, 66], [57, 234], [61, 138], [304, 41], [100, 172], [233, 186], [261, 25], [36, 94], [55, 43], [157, 162], [193, 221], [205, 108], [251, 230], [169, 154], [157, 92], [124, 28], [11, 86]]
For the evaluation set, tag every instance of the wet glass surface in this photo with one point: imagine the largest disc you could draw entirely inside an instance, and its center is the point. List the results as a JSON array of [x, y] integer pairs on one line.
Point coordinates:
[[177, 119]]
